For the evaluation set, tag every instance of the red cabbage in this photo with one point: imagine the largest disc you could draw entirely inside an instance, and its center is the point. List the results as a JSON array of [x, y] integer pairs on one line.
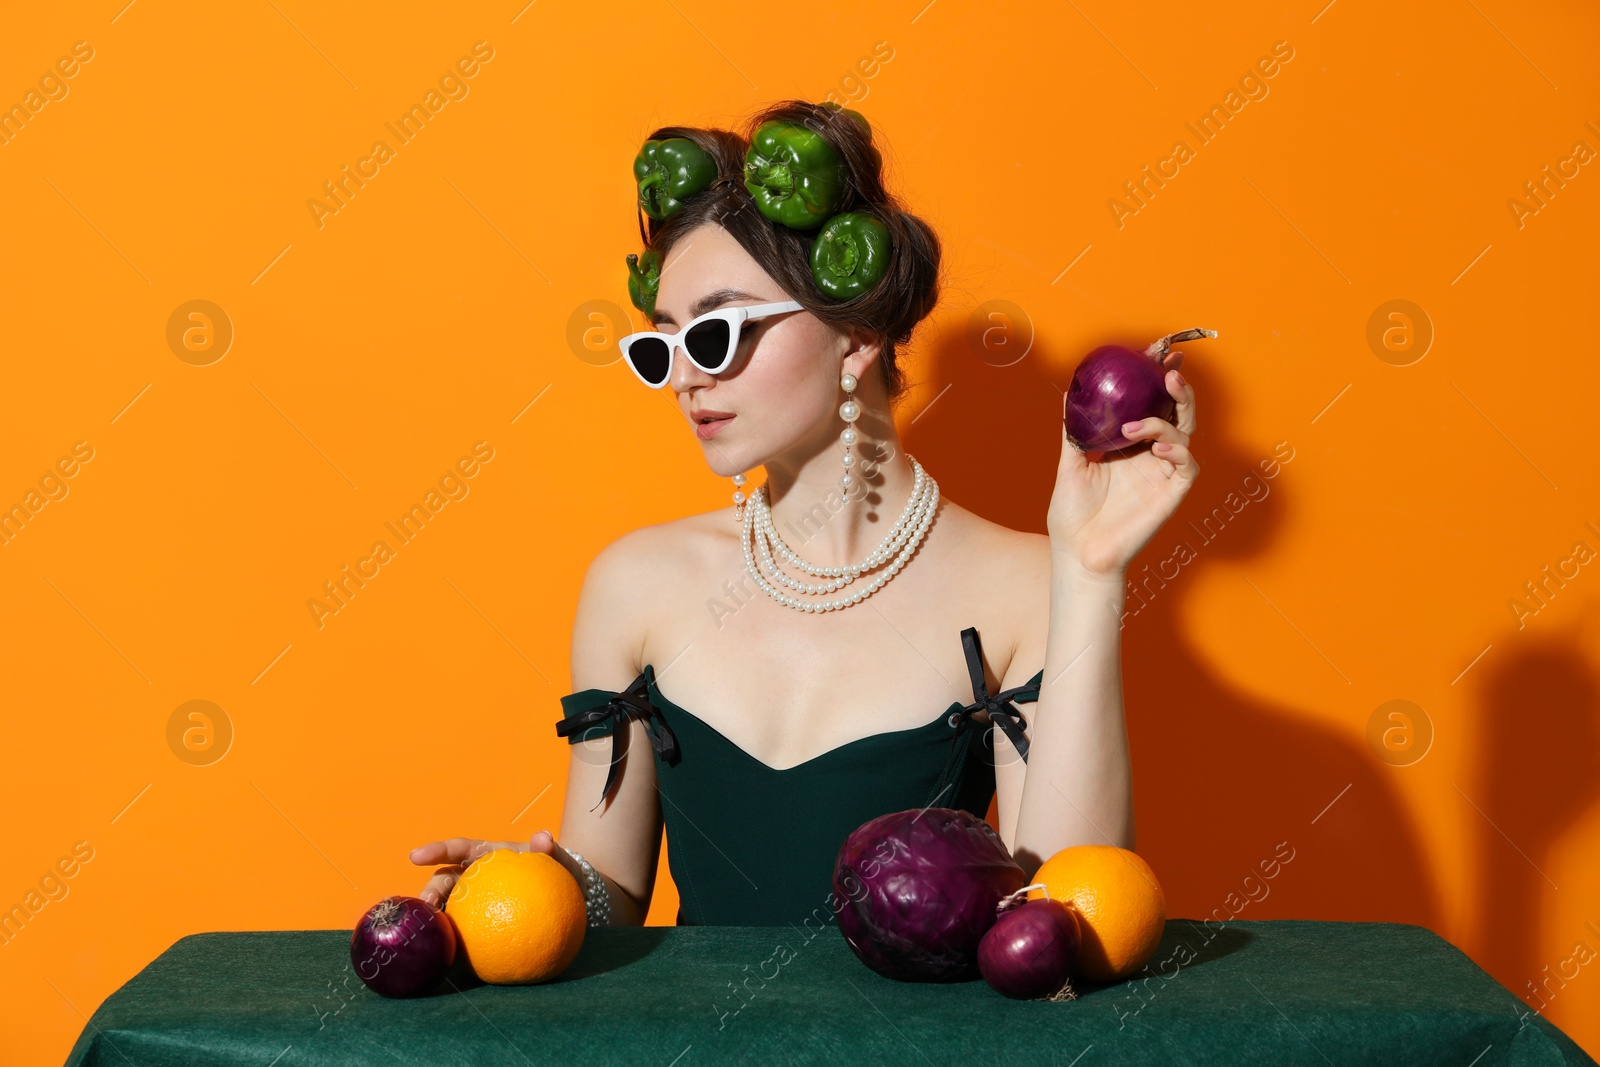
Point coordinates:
[[919, 890]]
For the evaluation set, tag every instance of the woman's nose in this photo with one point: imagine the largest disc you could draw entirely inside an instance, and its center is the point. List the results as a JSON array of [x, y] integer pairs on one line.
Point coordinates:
[[686, 373]]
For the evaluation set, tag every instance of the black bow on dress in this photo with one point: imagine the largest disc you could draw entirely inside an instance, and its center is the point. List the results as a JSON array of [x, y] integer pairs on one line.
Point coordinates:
[[999, 706], [631, 703]]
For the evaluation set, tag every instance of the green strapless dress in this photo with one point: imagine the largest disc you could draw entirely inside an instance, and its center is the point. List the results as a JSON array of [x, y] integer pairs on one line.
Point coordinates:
[[751, 845]]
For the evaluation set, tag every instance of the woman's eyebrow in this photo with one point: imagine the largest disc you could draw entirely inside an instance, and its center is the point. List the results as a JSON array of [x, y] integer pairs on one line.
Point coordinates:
[[713, 299]]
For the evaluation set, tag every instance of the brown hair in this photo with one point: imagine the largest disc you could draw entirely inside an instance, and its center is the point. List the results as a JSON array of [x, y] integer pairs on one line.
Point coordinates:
[[903, 297]]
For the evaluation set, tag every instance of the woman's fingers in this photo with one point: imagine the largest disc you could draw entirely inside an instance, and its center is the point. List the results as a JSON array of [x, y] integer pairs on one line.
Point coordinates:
[[460, 850], [1180, 457], [458, 853], [439, 886], [432, 852], [1181, 391], [1154, 428], [454, 850], [544, 841]]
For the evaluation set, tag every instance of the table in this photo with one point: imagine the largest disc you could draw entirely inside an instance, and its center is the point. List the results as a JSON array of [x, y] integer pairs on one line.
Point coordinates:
[[1279, 992]]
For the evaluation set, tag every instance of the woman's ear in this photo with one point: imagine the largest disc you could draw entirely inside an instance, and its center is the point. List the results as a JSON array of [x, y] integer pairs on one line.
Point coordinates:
[[864, 349]]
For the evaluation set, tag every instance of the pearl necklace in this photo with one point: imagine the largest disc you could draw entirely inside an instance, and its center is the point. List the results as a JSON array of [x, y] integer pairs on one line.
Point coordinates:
[[900, 543]]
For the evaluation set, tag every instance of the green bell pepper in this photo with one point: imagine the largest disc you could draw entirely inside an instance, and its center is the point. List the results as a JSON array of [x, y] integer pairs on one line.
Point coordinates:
[[794, 175], [858, 116], [644, 279], [850, 254], [670, 171]]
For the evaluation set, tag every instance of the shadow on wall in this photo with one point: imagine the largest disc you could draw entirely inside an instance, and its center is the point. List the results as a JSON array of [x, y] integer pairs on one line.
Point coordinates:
[[1537, 773], [1222, 779]]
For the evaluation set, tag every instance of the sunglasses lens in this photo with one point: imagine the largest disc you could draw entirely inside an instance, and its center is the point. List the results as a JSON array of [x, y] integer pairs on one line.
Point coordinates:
[[651, 357], [707, 342]]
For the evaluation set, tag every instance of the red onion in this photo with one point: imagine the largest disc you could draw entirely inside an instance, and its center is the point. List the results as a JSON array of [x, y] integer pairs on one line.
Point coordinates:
[[1114, 385], [1031, 950], [402, 946]]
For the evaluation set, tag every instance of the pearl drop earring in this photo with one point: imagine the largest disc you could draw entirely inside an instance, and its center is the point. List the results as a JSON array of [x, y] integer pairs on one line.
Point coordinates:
[[849, 411], [738, 499]]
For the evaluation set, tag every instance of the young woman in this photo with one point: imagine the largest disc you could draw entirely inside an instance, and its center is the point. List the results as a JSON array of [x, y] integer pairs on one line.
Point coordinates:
[[769, 716]]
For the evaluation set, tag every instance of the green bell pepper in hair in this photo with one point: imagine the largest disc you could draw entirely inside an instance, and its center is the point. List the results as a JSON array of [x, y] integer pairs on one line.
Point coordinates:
[[858, 116], [794, 174], [850, 254], [644, 279], [670, 171]]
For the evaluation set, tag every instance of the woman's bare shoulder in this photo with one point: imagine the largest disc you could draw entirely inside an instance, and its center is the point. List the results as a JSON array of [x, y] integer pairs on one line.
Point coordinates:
[[645, 565], [1011, 556], [629, 581], [671, 544], [1012, 568]]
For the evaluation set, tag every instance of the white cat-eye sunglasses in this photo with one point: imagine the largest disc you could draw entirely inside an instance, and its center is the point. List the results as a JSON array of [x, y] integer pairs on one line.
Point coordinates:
[[709, 341]]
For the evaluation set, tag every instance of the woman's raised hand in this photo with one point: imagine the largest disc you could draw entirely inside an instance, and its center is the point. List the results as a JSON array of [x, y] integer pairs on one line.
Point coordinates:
[[1103, 512], [458, 853]]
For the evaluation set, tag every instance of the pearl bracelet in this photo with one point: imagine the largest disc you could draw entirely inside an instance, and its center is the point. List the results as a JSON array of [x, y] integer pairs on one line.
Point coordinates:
[[596, 899]]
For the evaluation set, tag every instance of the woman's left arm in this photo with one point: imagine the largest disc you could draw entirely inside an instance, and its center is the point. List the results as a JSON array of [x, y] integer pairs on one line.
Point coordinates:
[[1077, 784]]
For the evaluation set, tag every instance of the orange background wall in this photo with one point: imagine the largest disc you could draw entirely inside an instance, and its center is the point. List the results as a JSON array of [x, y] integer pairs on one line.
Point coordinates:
[[374, 347]]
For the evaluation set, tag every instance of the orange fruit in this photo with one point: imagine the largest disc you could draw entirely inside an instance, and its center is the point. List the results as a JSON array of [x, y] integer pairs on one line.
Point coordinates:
[[520, 916], [1121, 908]]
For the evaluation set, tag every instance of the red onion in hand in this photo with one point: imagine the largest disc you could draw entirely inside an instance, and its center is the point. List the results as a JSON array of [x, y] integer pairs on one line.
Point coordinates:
[[402, 946], [1114, 385], [1032, 949]]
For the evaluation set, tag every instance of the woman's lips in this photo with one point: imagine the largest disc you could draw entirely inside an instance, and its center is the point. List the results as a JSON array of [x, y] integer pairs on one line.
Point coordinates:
[[707, 430]]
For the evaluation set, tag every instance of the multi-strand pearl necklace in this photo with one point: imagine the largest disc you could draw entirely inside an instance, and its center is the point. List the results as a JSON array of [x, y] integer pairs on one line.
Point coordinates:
[[759, 536]]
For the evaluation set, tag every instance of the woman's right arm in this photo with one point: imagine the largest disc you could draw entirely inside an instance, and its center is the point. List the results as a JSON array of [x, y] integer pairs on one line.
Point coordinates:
[[621, 838]]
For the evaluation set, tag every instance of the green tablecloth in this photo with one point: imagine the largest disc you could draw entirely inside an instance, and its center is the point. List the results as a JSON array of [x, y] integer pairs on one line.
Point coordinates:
[[1279, 992]]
